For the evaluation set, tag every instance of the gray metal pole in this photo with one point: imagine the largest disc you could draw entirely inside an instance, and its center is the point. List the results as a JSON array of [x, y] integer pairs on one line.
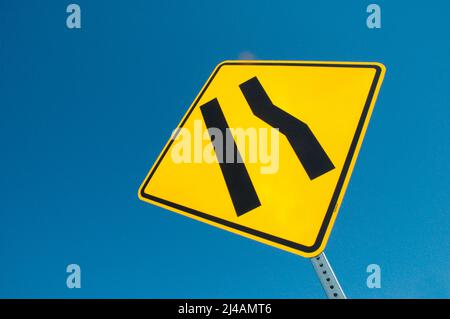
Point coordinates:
[[327, 277]]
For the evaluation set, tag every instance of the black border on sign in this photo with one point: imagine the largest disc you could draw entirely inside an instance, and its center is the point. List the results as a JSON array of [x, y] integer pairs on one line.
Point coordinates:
[[339, 185]]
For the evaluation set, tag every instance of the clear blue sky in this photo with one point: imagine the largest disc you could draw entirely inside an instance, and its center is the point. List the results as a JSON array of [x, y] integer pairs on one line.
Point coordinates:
[[84, 113]]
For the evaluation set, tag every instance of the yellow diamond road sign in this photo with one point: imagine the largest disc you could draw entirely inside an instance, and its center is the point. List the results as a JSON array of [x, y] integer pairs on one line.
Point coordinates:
[[267, 149]]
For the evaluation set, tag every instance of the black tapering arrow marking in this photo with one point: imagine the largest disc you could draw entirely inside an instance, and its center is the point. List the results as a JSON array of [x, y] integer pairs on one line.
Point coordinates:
[[239, 184], [307, 148]]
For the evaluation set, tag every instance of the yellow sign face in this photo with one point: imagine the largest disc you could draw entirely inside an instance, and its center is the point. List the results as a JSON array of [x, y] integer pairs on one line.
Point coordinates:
[[267, 149]]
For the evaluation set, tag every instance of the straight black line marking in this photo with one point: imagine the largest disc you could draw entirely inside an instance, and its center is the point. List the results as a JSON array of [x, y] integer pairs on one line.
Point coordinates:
[[306, 146], [239, 184]]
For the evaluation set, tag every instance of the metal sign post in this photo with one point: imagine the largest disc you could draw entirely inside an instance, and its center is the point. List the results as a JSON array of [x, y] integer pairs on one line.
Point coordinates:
[[327, 277]]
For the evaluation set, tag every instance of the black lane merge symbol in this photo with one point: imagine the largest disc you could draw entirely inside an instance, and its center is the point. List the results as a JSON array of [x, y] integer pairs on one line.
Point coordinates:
[[240, 186], [307, 148]]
